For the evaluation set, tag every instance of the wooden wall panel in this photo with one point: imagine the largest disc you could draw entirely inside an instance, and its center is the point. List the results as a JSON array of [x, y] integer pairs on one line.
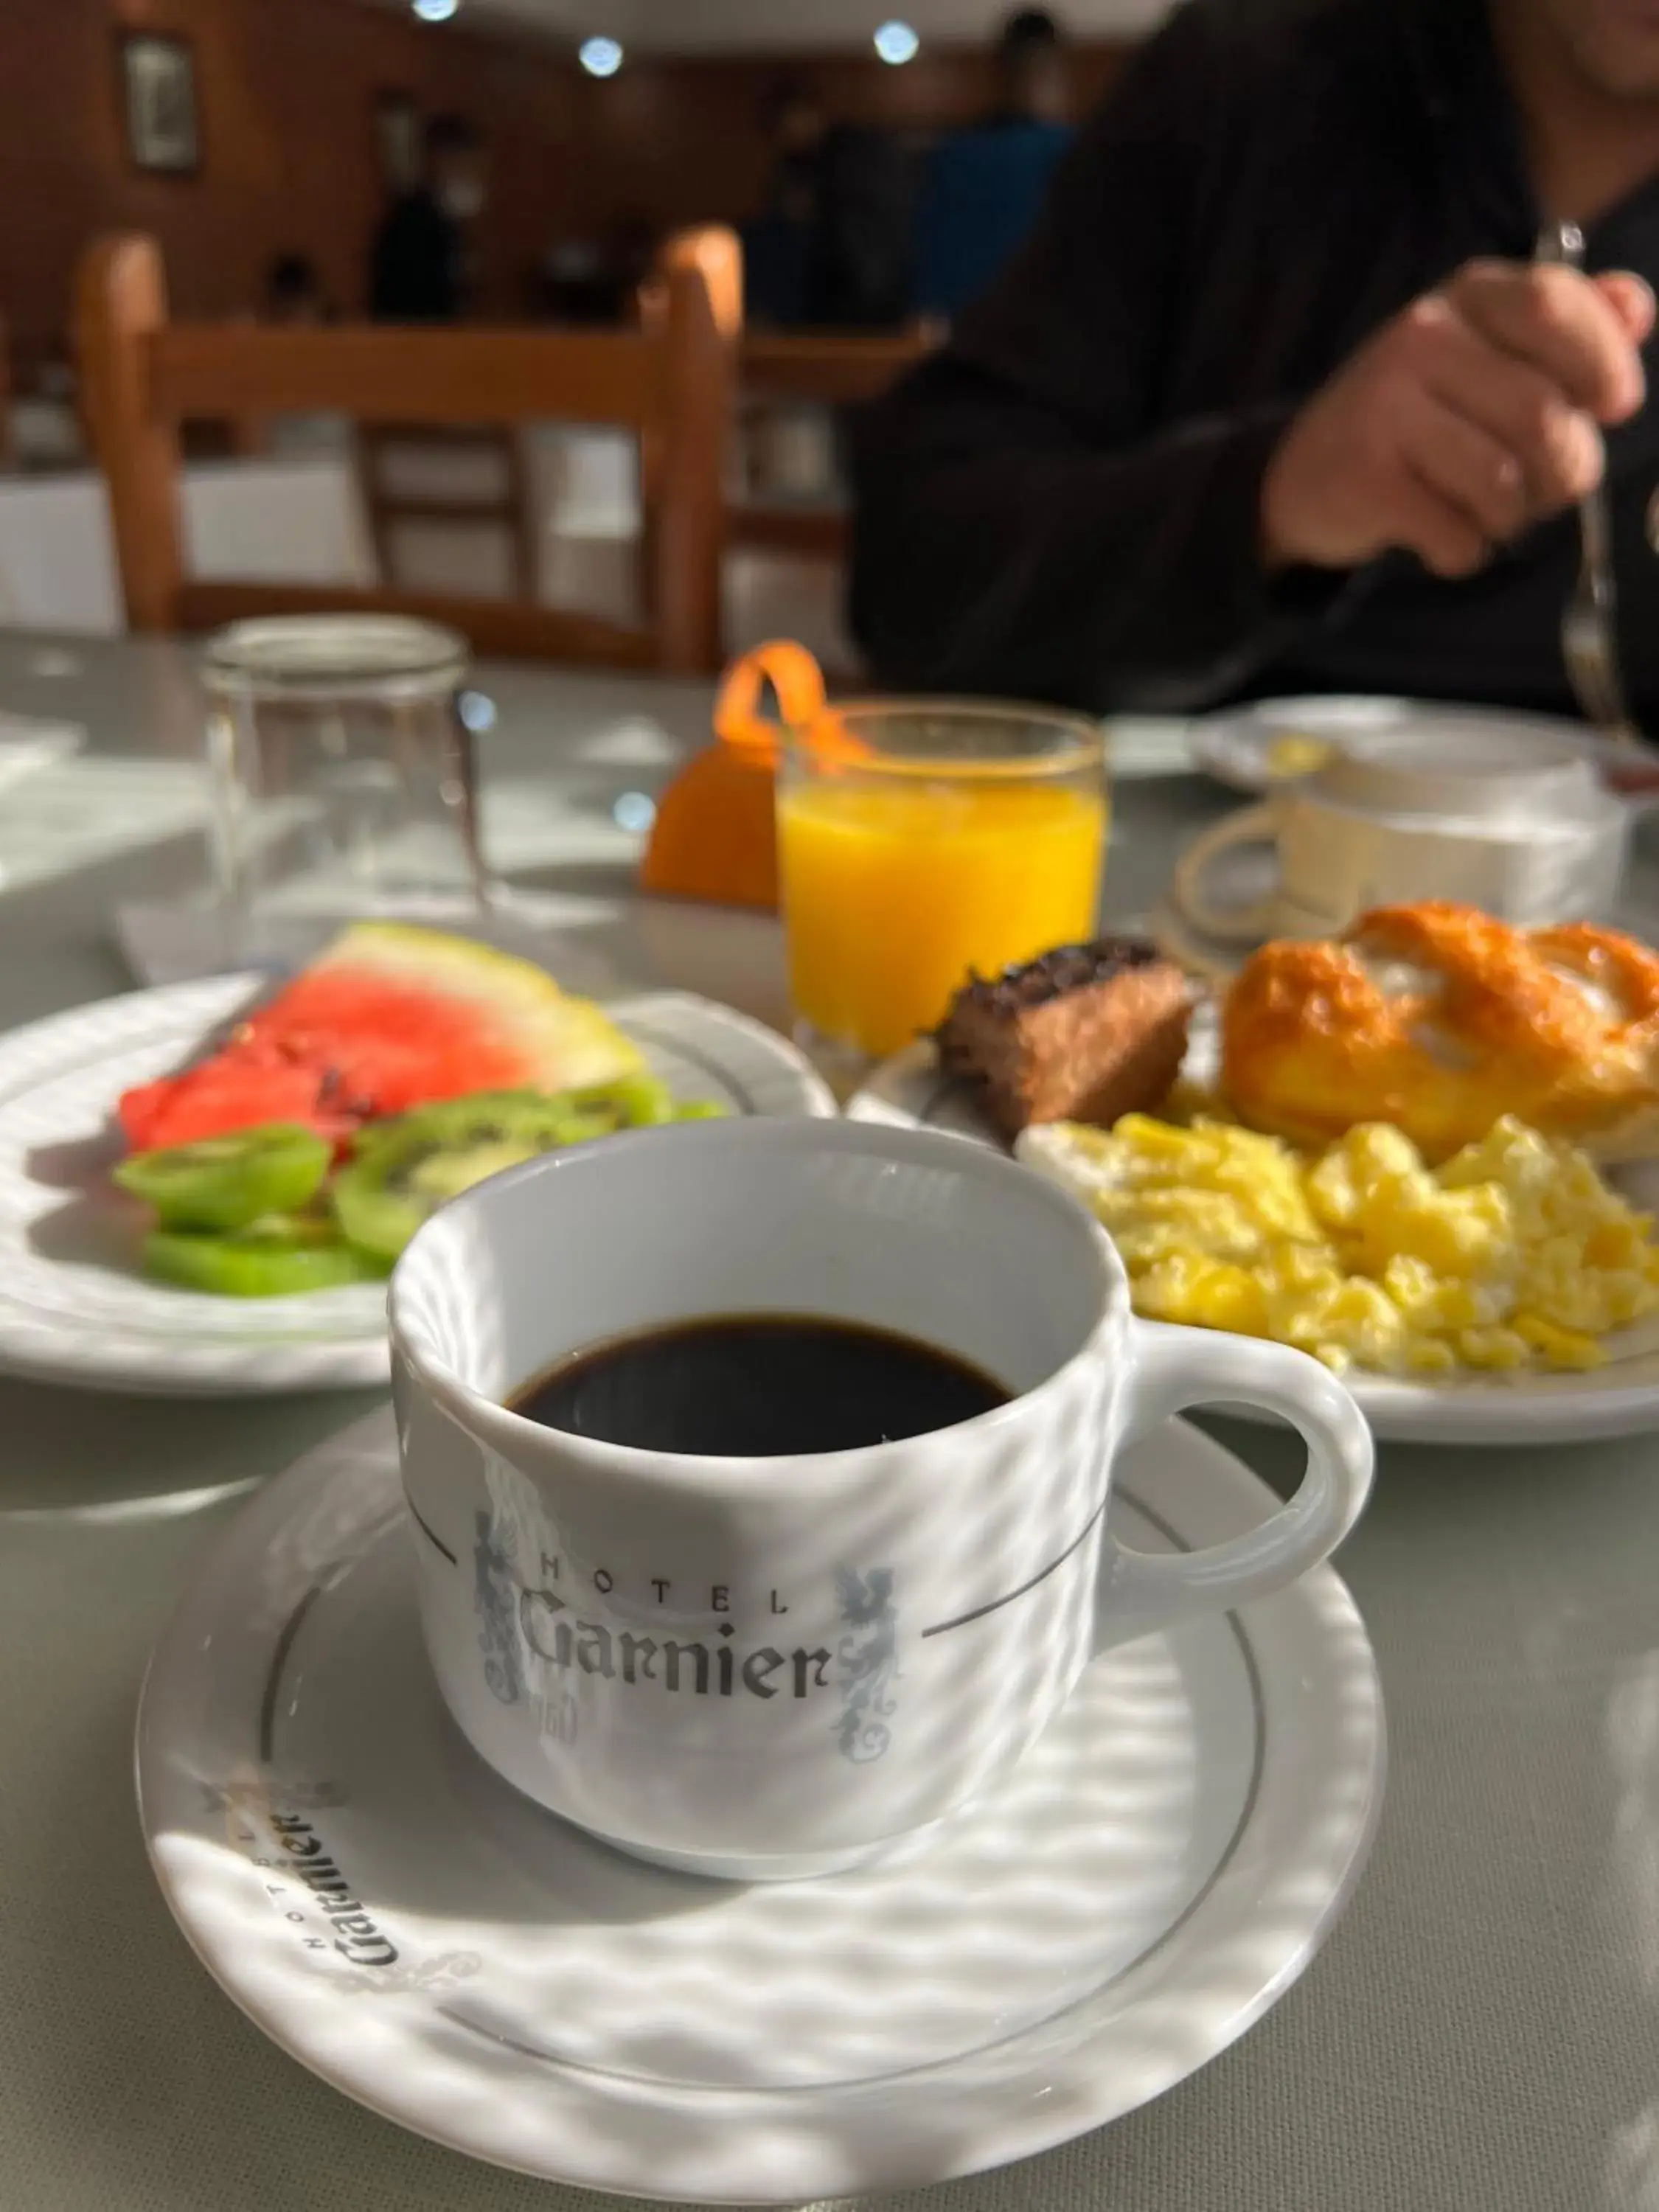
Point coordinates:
[[286, 91]]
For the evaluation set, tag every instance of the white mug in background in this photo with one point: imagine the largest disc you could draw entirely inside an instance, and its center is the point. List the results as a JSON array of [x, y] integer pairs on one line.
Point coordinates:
[[1515, 823], [763, 1668]]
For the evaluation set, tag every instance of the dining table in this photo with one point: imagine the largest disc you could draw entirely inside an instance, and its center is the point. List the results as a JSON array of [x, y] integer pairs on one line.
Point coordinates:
[[1480, 2032]]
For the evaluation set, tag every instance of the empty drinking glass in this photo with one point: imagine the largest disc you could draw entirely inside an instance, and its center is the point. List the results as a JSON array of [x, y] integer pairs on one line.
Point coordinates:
[[343, 778]]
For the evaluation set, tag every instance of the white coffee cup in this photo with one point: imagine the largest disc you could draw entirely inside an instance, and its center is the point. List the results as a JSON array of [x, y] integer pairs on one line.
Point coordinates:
[[769, 1667], [1512, 821]]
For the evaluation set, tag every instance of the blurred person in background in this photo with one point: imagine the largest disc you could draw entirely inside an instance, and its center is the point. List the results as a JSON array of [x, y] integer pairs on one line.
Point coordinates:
[[597, 279], [420, 268], [294, 292], [862, 265], [631, 250], [777, 244], [983, 187], [294, 299], [1276, 398], [833, 246]]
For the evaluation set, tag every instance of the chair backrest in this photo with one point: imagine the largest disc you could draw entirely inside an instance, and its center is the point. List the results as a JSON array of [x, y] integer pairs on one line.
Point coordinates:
[[669, 382], [419, 474], [827, 370]]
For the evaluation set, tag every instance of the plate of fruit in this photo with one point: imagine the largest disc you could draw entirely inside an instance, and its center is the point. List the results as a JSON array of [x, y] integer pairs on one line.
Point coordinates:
[[1421, 1152], [203, 1186]]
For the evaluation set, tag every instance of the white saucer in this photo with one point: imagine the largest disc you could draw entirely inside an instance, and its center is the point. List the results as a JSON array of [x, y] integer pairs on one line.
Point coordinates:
[[1620, 1400], [1159, 1870], [73, 1307], [1234, 745]]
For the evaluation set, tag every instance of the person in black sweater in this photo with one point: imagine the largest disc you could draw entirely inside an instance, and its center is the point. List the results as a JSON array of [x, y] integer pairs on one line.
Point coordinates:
[[1276, 399], [418, 268]]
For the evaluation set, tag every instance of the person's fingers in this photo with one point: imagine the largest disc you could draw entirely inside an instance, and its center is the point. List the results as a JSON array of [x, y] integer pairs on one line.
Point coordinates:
[[1473, 413], [1463, 462], [1560, 321], [1557, 445], [1437, 529], [1630, 298]]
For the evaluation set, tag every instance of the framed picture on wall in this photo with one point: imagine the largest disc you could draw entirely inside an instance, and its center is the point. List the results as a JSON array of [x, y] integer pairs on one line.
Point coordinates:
[[398, 136], [158, 95]]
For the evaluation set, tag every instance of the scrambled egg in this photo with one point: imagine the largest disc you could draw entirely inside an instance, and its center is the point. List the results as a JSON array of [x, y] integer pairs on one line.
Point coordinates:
[[1513, 1254], [1292, 755]]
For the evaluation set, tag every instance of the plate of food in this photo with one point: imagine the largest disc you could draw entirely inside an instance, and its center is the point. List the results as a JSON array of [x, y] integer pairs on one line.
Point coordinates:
[[1419, 1152], [1259, 747], [204, 1186]]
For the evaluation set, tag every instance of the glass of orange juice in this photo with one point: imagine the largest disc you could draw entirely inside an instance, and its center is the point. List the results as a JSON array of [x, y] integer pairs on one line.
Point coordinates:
[[947, 836]]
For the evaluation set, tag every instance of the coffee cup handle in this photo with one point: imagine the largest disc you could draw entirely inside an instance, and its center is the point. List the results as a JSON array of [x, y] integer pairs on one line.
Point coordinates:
[[1232, 925], [1174, 1368]]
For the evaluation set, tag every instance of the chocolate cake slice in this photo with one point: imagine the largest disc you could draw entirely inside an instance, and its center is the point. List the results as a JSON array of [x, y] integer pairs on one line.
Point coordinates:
[[1085, 1033]]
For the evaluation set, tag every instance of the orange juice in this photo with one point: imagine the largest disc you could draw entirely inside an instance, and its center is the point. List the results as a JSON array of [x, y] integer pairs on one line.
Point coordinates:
[[894, 889]]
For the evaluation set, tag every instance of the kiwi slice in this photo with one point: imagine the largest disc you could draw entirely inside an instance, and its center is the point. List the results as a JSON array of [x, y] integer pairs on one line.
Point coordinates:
[[274, 1258], [631, 1102], [636, 1101], [402, 1171], [225, 1182]]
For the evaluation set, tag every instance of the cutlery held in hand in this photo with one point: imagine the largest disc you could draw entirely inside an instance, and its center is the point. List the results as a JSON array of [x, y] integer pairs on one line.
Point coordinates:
[[1589, 626]]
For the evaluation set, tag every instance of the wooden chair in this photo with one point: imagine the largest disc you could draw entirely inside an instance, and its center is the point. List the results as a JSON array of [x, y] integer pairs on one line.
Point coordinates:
[[501, 501], [823, 369], [671, 382]]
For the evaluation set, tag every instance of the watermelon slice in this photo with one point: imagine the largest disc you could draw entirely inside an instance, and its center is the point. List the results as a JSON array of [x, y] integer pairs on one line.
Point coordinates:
[[391, 1016]]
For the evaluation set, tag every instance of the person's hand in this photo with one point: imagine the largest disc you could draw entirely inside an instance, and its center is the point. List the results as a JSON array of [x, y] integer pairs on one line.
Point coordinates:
[[1475, 413]]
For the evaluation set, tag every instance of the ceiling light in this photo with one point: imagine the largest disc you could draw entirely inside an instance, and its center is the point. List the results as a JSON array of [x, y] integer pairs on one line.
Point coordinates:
[[600, 57], [896, 44], [435, 11]]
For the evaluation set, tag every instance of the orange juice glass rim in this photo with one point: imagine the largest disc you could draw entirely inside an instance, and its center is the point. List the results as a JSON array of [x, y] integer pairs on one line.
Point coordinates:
[[1081, 742]]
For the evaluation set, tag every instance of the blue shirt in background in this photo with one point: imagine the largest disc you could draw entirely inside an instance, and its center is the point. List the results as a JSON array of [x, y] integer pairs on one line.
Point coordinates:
[[980, 198]]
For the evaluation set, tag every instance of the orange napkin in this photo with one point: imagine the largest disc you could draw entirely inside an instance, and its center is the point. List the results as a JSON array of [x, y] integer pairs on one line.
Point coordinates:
[[714, 836]]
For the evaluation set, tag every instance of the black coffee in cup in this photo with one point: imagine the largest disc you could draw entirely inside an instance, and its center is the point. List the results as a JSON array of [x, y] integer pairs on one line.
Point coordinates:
[[758, 1386]]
